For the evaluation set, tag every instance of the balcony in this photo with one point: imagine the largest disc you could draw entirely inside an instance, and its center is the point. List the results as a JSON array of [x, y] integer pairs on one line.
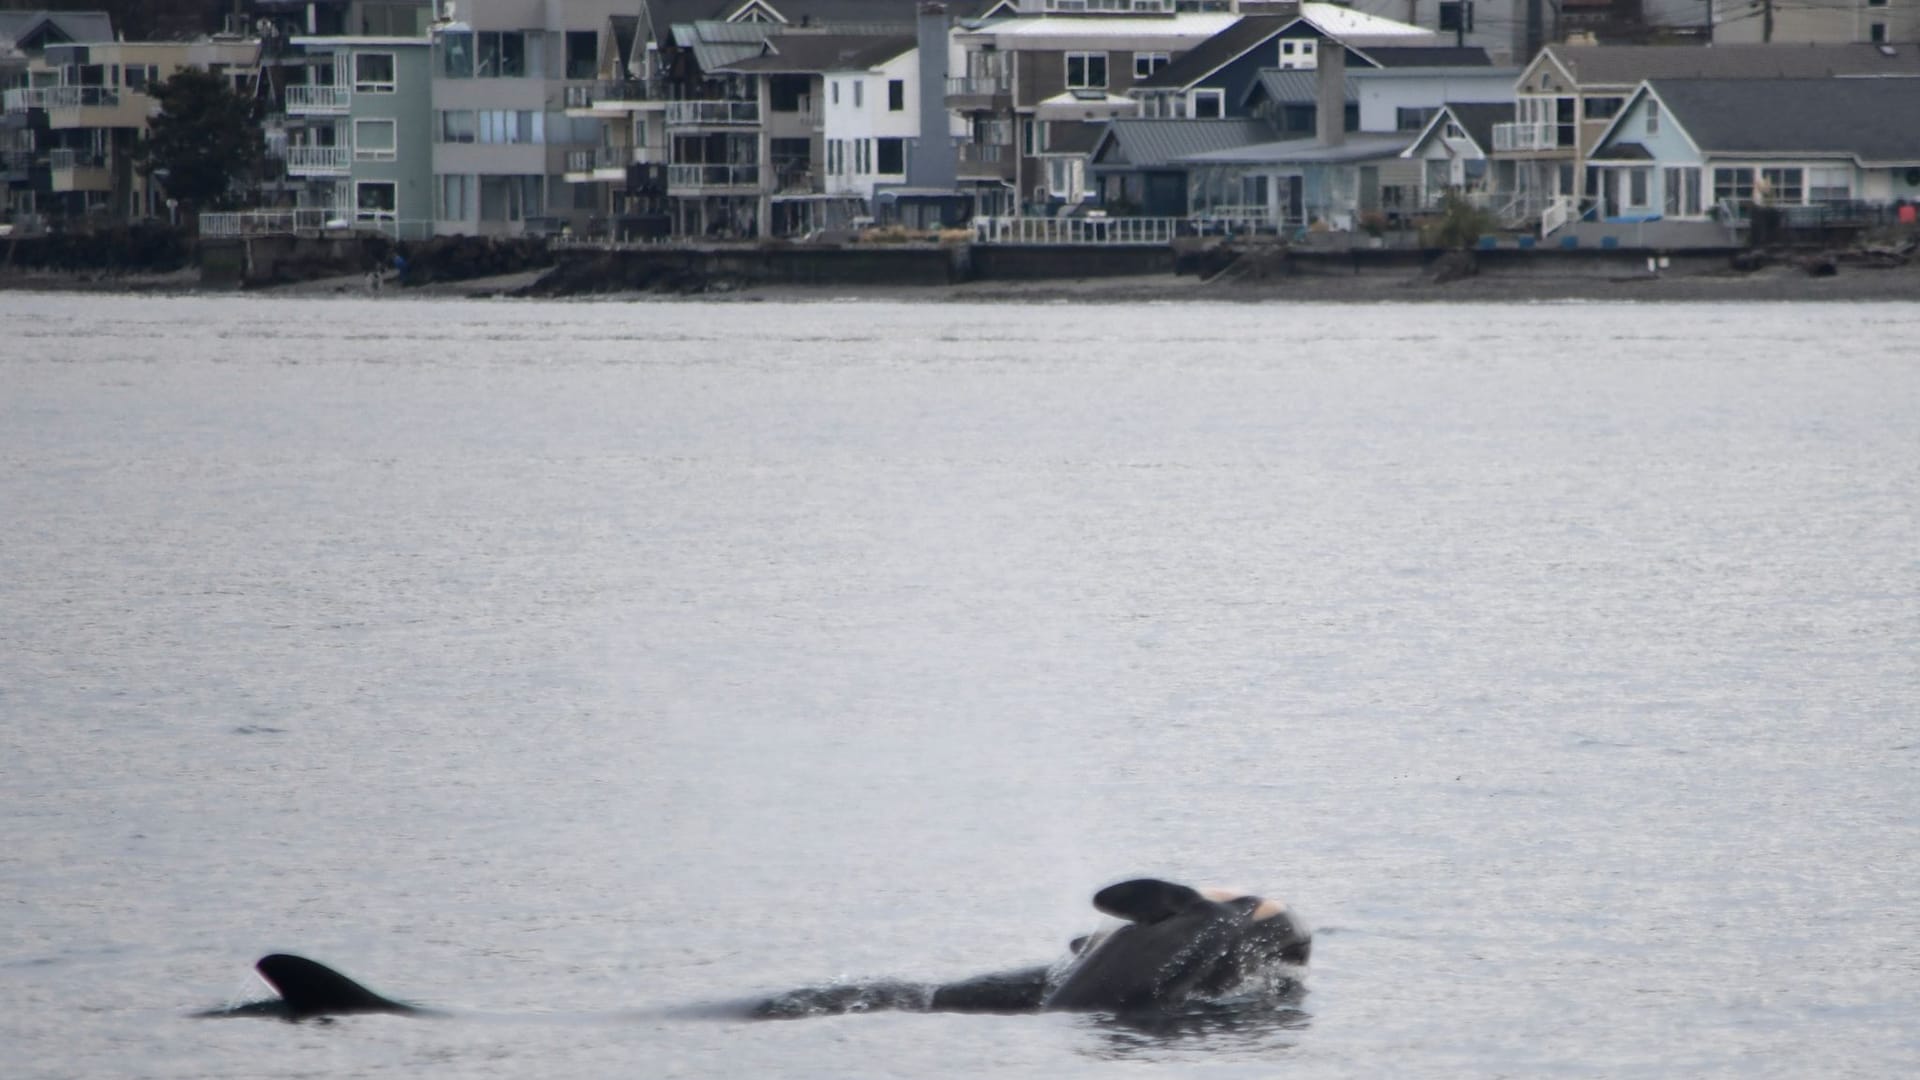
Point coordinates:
[[78, 170], [613, 98], [319, 160], [973, 93], [318, 100], [712, 113], [986, 161], [1530, 136], [712, 179], [24, 99], [601, 163]]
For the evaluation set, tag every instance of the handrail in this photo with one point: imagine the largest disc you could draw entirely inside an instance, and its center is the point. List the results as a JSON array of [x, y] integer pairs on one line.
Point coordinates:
[[1076, 231]]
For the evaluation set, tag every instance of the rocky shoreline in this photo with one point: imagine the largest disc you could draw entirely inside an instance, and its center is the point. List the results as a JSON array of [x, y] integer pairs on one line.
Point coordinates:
[[1779, 280]]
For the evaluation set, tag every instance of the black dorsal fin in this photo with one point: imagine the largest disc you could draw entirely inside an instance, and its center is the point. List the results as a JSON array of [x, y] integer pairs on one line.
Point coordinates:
[[314, 989], [1146, 900]]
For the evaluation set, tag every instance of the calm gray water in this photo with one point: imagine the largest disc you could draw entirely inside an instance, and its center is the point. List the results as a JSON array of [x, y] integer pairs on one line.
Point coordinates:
[[575, 666]]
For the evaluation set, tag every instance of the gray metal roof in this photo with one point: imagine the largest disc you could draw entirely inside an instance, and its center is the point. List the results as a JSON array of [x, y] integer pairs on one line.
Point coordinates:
[[1357, 146], [809, 53], [1850, 117], [1152, 144], [1625, 65], [1295, 87], [1478, 119]]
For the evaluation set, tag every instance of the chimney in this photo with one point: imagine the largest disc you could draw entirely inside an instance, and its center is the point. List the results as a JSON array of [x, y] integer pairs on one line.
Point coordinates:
[[1330, 112], [935, 160]]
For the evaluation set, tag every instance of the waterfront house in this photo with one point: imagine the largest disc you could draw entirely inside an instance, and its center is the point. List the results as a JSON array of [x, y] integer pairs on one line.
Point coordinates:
[[1693, 149], [356, 131], [1569, 94], [1454, 153], [86, 106], [25, 179], [1138, 165]]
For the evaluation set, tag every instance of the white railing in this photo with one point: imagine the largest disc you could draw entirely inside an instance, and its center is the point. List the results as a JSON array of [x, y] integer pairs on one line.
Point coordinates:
[[978, 86], [984, 153], [62, 158], [1558, 212], [264, 222], [307, 100], [1530, 135], [1088, 231], [21, 99], [319, 160], [696, 176], [694, 113]]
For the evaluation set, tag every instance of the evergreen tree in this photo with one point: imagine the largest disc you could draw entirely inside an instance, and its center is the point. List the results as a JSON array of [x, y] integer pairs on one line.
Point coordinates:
[[205, 145]]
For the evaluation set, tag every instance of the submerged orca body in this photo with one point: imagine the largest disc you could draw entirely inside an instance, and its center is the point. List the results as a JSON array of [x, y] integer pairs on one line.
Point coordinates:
[[1179, 946], [309, 989]]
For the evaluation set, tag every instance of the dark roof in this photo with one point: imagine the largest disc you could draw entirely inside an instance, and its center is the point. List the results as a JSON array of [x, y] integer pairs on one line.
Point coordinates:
[[1624, 65], [1625, 151], [1400, 56], [811, 53], [1803, 116], [1478, 120], [37, 29], [1216, 52], [1072, 136], [1151, 144]]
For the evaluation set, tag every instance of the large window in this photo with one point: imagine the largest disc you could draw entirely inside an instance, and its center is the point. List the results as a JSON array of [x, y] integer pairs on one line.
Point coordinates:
[[456, 198], [456, 55], [583, 54], [1146, 63], [1603, 108], [373, 73], [375, 200], [1456, 16], [456, 126], [1735, 184], [896, 95], [1209, 104], [1829, 184], [1412, 118], [510, 126], [1087, 71], [1788, 187], [373, 140], [890, 156], [1637, 184], [1682, 192], [511, 198]]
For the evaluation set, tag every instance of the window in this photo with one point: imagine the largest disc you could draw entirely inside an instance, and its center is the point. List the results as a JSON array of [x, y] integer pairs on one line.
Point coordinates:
[[858, 97], [1829, 184], [583, 54], [1456, 15], [506, 54], [1603, 108], [1026, 137], [862, 155], [1653, 117], [1299, 54], [1087, 71], [511, 198], [1877, 33], [456, 198], [1454, 132], [373, 140], [1208, 104], [456, 126], [510, 126], [375, 200], [1788, 186], [896, 95], [373, 73], [1683, 192], [1146, 63], [834, 94], [1407, 118], [1735, 184], [890, 156], [456, 55]]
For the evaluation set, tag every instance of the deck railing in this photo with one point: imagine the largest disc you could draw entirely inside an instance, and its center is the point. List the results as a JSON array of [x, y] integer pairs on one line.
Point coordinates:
[[1077, 231], [1526, 136], [308, 100], [698, 176], [700, 113]]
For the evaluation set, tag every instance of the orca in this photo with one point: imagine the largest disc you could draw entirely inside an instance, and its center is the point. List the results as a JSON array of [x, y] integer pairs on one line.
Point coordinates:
[[309, 989], [1179, 947]]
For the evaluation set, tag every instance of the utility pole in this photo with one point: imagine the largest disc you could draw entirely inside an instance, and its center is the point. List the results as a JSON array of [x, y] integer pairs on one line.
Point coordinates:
[[1766, 21]]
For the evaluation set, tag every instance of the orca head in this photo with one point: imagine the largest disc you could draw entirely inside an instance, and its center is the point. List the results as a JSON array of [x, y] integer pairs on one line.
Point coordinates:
[[1178, 943]]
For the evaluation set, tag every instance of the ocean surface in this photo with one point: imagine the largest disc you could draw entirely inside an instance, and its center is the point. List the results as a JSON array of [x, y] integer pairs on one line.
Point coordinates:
[[586, 669]]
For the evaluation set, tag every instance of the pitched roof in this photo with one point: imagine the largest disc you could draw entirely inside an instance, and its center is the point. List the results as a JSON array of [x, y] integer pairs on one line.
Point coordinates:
[[810, 53], [1216, 52], [1625, 65], [1797, 116], [1151, 144], [1294, 86], [1401, 56], [54, 27], [1477, 119], [1358, 146]]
